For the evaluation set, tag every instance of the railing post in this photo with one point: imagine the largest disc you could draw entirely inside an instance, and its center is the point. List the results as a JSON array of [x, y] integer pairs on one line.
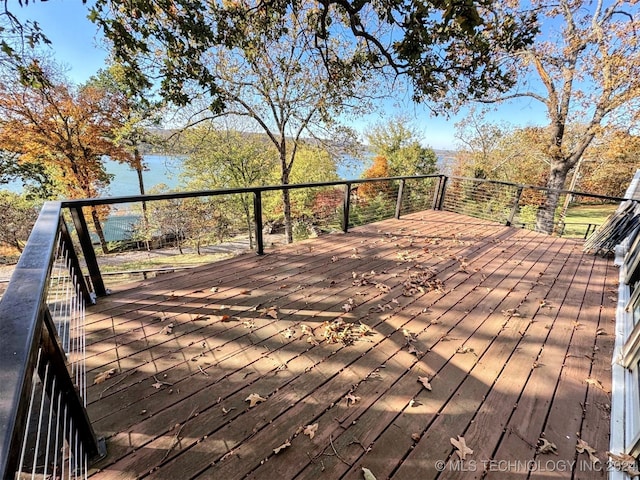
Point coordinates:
[[515, 208], [399, 200], [346, 207], [257, 218], [88, 251], [438, 200], [74, 263]]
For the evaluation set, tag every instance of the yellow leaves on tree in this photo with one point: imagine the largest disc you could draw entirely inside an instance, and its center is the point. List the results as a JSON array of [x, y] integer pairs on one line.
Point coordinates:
[[379, 169]]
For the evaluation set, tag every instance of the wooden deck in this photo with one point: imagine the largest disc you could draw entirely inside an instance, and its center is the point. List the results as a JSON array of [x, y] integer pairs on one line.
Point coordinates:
[[512, 329]]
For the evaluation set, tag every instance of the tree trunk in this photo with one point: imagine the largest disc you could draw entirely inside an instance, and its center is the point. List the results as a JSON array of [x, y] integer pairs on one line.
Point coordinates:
[[286, 200], [546, 212], [288, 227], [145, 215], [247, 218], [98, 226]]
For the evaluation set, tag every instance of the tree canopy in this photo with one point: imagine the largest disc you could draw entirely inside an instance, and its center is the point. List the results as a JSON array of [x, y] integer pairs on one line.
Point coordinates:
[[437, 44], [398, 142]]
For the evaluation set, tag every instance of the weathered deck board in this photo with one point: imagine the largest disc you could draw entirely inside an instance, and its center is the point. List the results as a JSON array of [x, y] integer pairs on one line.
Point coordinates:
[[508, 340]]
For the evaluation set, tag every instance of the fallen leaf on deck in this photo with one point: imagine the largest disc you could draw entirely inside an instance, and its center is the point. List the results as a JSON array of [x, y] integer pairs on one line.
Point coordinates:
[[271, 312], [601, 331], [583, 447], [310, 430], [596, 383], [157, 385], [200, 318], [306, 330], [545, 446], [347, 307], [411, 337], [101, 377], [288, 333], [254, 399], [367, 474], [168, 329], [245, 292], [465, 350], [415, 351], [286, 444], [416, 437], [351, 399], [214, 289], [425, 382], [312, 340], [225, 411], [624, 463], [461, 447]]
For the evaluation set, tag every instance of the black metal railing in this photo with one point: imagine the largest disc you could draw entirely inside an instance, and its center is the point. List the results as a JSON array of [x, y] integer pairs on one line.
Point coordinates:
[[41, 312], [44, 428]]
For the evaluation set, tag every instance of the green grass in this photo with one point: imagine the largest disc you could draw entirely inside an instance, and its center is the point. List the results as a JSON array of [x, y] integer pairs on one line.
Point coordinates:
[[177, 260], [579, 216]]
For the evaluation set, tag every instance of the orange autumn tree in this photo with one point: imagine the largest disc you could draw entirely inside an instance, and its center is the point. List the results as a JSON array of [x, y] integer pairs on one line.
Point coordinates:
[[69, 130], [379, 169]]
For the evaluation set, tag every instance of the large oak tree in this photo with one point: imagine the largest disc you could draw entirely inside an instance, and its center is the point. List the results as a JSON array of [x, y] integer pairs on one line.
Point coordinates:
[[584, 67]]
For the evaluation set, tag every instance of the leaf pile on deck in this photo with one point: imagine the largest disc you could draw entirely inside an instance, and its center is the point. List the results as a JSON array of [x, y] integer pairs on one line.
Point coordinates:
[[422, 282], [339, 331]]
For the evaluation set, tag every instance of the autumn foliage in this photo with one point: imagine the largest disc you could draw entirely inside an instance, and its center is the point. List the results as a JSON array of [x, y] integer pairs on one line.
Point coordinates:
[[68, 131], [379, 169]]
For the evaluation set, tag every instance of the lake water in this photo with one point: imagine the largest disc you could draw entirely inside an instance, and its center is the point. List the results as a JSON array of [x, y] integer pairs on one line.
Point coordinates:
[[161, 169]]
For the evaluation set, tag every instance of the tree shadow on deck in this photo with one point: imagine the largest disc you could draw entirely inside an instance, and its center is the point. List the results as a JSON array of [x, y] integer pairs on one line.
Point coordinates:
[[189, 351]]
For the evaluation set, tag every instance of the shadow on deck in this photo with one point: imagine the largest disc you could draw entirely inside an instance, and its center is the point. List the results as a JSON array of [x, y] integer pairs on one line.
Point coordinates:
[[512, 329]]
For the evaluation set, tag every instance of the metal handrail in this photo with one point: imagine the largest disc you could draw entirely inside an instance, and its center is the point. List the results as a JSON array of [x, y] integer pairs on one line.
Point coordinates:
[[26, 327]]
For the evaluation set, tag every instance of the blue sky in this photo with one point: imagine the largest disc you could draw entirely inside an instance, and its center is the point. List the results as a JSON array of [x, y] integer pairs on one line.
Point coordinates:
[[77, 44]]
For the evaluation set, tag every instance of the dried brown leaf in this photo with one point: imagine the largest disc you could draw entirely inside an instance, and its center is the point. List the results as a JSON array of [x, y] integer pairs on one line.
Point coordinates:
[[624, 463], [102, 377], [351, 399], [596, 383], [310, 430], [254, 399], [462, 450], [288, 333], [584, 447], [425, 382], [271, 312], [286, 444], [168, 329], [545, 446], [414, 350]]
